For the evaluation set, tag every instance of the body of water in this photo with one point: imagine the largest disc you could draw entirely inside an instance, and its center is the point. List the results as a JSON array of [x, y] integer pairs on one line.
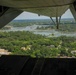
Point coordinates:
[[49, 33]]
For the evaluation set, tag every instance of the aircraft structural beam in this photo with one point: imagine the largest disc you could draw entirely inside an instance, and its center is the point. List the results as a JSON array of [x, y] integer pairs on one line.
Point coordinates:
[[57, 21], [8, 15], [73, 10]]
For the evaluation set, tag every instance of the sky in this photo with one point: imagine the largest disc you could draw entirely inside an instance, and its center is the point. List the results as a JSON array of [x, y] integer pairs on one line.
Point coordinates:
[[28, 15]]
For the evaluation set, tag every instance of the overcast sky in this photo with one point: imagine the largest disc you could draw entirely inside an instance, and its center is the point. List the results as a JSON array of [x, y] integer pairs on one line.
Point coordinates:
[[28, 15]]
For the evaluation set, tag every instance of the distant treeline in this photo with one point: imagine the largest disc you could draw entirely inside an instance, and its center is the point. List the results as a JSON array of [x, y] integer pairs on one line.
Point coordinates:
[[21, 23]]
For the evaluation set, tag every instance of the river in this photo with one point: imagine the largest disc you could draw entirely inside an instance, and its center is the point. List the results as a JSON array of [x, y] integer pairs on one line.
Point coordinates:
[[42, 32]]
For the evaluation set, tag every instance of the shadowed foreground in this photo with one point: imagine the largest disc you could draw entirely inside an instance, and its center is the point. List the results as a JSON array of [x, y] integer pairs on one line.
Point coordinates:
[[25, 65]]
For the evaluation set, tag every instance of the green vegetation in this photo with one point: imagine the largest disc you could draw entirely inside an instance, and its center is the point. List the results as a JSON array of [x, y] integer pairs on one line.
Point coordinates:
[[23, 23], [45, 28], [65, 26], [27, 43]]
